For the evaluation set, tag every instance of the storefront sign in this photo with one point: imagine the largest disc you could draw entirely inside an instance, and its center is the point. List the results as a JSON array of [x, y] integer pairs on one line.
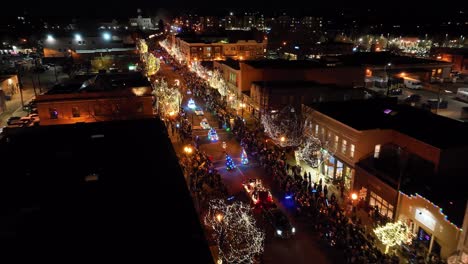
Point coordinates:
[[425, 218]]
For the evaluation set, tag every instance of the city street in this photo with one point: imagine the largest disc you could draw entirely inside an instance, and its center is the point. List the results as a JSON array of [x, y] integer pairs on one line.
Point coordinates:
[[304, 247], [42, 83]]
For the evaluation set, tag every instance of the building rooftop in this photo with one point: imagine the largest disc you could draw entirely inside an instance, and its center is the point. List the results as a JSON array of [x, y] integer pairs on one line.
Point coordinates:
[[234, 64], [101, 82], [382, 59], [418, 176], [423, 125], [228, 36], [109, 190], [281, 64]]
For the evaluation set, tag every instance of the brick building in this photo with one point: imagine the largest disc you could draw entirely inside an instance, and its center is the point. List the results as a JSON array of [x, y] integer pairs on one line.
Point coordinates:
[[96, 98]]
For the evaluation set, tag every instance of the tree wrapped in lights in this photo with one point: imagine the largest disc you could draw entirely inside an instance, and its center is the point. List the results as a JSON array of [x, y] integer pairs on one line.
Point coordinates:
[[393, 234], [152, 64], [238, 238], [217, 82], [285, 127], [229, 163], [309, 151], [168, 99], [244, 158], [142, 46]]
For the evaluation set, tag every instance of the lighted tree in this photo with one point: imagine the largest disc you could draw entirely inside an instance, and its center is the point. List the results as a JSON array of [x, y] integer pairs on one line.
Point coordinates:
[[167, 99], [393, 234], [229, 163], [309, 151], [285, 127], [217, 82], [142, 46], [152, 64], [234, 229], [244, 158]]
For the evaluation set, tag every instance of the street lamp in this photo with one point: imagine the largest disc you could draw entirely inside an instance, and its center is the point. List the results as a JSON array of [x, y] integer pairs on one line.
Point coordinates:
[[188, 150], [242, 105], [386, 76], [282, 139], [106, 36], [219, 217]]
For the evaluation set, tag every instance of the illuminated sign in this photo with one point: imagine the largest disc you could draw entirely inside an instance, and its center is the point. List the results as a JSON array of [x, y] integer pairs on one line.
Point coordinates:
[[425, 217]]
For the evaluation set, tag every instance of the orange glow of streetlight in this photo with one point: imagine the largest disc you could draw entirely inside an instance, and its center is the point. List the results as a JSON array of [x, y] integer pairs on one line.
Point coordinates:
[[282, 139], [188, 150], [403, 74], [354, 196], [219, 217]]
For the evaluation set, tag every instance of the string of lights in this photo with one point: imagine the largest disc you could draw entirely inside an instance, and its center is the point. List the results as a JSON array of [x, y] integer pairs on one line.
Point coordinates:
[[285, 127], [235, 231], [168, 99], [309, 151], [393, 234]]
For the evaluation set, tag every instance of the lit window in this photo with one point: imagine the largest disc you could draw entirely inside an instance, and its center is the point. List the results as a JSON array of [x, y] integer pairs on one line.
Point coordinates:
[[344, 145], [316, 130], [53, 113], [351, 154], [377, 151], [336, 142], [75, 112]]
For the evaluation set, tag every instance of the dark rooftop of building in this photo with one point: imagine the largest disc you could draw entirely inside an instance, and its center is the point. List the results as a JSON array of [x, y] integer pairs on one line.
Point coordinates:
[[234, 64], [457, 51], [423, 125], [109, 191], [101, 82], [381, 59], [280, 64], [289, 84], [418, 176], [228, 36]]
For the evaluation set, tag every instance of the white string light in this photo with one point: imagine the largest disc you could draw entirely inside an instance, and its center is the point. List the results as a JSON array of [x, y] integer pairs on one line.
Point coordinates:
[[309, 151], [168, 99], [285, 127], [393, 234], [239, 240]]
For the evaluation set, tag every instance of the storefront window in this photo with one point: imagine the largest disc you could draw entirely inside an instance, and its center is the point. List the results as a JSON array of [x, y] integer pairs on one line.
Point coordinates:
[[385, 208], [339, 169], [330, 167]]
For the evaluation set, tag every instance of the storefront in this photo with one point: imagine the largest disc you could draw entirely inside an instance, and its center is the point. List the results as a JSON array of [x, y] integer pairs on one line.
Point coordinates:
[[336, 169], [433, 232]]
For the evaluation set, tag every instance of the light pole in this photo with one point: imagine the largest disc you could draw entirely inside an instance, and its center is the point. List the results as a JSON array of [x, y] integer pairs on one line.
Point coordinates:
[[386, 77]]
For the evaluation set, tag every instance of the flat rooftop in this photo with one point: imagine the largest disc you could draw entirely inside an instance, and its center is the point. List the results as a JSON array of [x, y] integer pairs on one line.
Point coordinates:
[[418, 177], [138, 206], [383, 58], [423, 125], [233, 64], [227, 36], [101, 82], [284, 64]]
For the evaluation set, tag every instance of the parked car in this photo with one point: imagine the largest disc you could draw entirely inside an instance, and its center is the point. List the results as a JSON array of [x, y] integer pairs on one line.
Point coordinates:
[[432, 104], [395, 91], [280, 223], [13, 119], [413, 98]]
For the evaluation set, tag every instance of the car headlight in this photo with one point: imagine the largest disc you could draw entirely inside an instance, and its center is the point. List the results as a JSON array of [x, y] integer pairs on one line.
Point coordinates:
[[293, 230], [279, 232]]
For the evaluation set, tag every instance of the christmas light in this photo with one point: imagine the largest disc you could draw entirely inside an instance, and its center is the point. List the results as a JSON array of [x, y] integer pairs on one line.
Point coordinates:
[[435, 206], [142, 46], [393, 234], [152, 64], [229, 163], [285, 127], [244, 158], [168, 99], [238, 238], [212, 135], [217, 82], [309, 151]]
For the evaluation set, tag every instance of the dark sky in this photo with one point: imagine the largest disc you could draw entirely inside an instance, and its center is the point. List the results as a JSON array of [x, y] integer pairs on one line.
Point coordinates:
[[391, 10]]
